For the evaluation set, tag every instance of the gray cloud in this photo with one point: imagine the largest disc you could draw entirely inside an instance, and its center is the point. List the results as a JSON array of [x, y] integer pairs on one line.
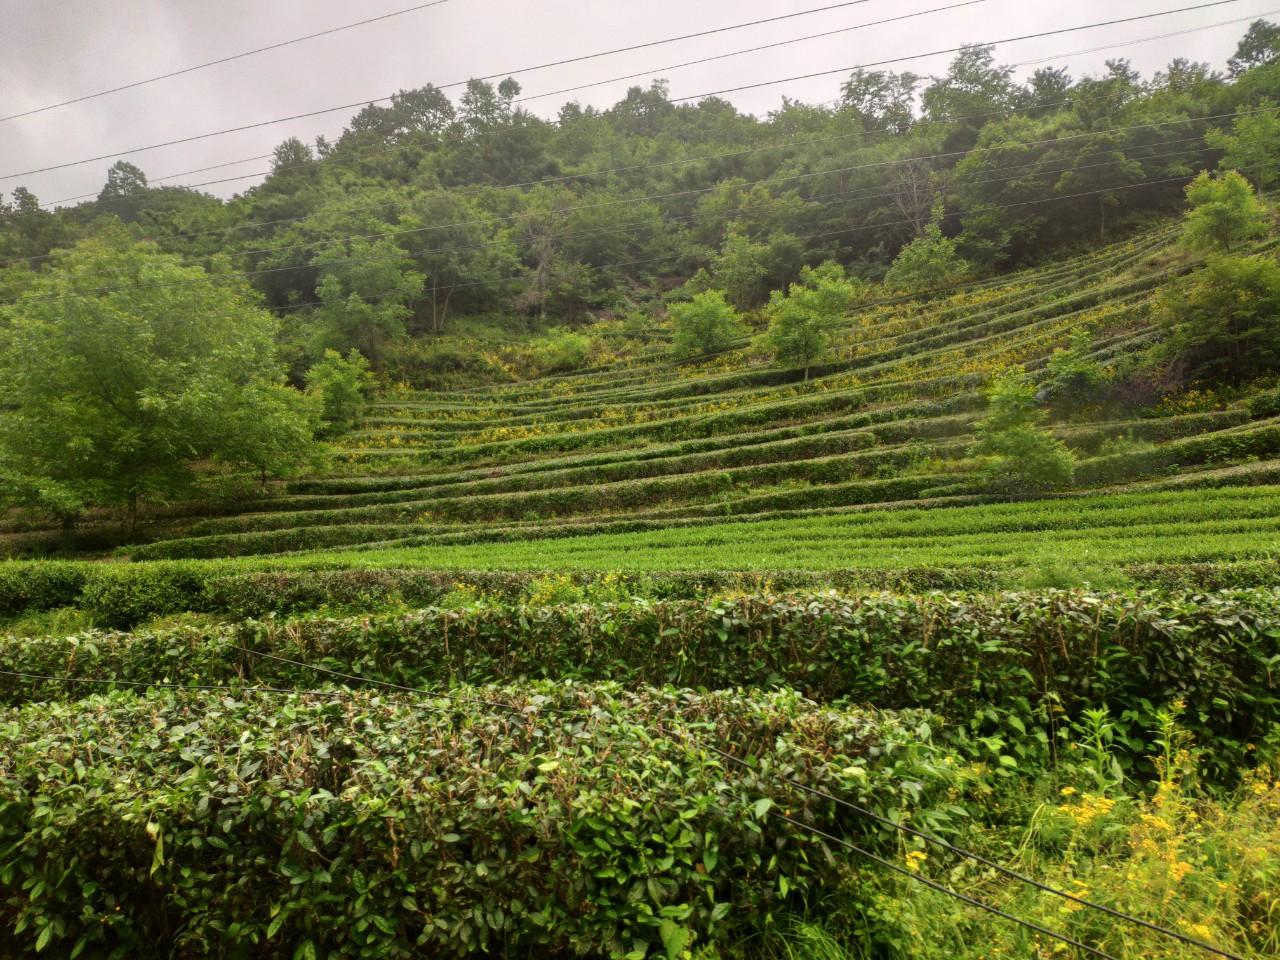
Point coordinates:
[[72, 47]]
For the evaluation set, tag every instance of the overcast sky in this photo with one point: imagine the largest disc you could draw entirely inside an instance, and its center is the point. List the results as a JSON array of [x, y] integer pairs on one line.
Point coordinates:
[[68, 48]]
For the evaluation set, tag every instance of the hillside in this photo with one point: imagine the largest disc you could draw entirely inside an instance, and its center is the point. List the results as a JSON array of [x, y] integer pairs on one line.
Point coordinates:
[[662, 531], [882, 429]]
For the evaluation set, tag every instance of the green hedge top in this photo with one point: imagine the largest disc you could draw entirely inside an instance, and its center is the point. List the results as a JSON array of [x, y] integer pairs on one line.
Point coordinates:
[[587, 820], [1004, 663]]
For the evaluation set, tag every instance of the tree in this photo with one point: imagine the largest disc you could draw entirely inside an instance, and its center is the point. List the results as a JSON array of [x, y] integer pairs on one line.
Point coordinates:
[[800, 322], [1252, 146], [1259, 46], [881, 100], [746, 269], [1223, 322], [1025, 457], [119, 395], [1072, 375], [929, 262], [705, 324], [124, 182], [365, 292], [272, 430], [341, 387], [1224, 211]]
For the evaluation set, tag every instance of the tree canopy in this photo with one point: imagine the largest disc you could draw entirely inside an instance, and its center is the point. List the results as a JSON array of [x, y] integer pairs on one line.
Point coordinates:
[[122, 394]]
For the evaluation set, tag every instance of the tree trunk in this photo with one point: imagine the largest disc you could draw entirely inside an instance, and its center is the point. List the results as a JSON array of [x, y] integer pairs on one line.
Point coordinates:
[[132, 513]]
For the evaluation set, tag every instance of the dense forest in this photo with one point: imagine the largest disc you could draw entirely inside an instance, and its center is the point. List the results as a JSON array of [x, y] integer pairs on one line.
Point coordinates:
[[428, 216]]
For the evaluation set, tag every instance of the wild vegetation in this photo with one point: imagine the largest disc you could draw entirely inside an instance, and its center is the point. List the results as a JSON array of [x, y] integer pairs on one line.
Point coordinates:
[[658, 532]]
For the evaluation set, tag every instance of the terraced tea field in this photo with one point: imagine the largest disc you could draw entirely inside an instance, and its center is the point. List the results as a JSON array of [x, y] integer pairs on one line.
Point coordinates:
[[885, 424], [680, 659]]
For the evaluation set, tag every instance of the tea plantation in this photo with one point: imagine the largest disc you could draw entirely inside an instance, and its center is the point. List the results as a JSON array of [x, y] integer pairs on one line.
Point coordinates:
[[870, 551], [699, 658]]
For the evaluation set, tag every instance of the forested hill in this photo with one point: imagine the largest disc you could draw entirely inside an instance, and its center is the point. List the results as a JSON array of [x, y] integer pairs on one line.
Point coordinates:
[[429, 210]]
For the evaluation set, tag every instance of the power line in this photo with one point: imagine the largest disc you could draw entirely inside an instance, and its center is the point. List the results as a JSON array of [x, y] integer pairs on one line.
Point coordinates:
[[221, 60], [751, 86], [383, 151], [941, 888], [738, 53], [985, 861], [935, 53], [473, 137], [1160, 36], [458, 83], [609, 203]]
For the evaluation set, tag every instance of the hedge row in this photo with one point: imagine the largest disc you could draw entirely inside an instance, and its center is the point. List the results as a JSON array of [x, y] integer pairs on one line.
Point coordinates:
[[587, 820], [587, 494], [895, 424], [1260, 441], [1010, 661], [696, 426], [122, 595]]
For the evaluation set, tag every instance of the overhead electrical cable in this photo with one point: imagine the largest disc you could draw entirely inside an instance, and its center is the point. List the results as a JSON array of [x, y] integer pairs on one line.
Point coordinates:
[[383, 151], [984, 861], [750, 86], [403, 254], [221, 60], [880, 164]]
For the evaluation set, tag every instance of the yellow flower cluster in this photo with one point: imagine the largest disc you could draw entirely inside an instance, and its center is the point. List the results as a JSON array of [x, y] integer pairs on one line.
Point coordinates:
[[1089, 809]]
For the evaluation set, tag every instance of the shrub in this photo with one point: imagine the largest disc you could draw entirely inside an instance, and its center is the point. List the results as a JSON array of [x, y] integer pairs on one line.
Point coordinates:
[[705, 324], [342, 384], [1224, 211], [1025, 660], [1027, 457], [122, 596], [1265, 405], [1223, 322], [584, 820], [930, 262]]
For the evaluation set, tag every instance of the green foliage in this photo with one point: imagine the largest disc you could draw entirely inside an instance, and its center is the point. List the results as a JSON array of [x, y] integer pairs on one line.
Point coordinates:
[[561, 351], [1037, 657], [1258, 47], [583, 820], [800, 322], [928, 263], [1223, 322], [1265, 405], [365, 291], [1073, 376], [706, 324], [118, 397], [1224, 211], [1026, 457], [1253, 145], [342, 385]]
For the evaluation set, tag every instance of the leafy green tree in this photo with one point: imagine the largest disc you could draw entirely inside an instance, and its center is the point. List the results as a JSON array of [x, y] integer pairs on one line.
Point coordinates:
[[705, 324], [800, 322], [1224, 211], [1252, 146], [1223, 322], [881, 100], [1259, 46], [272, 430], [1025, 456], [120, 395], [746, 269], [1072, 376], [929, 262], [365, 292], [341, 386]]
